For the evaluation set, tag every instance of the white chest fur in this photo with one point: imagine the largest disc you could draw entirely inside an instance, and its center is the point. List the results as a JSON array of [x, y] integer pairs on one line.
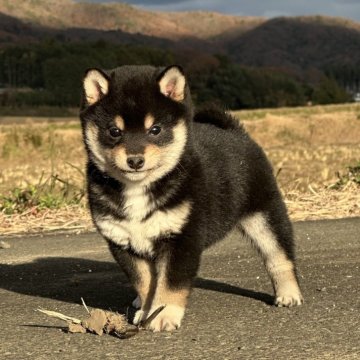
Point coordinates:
[[140, 234], [137, 203]]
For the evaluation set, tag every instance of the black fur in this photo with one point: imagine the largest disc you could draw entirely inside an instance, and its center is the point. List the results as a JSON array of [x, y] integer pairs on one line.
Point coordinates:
[[222, 172], [213, 115]]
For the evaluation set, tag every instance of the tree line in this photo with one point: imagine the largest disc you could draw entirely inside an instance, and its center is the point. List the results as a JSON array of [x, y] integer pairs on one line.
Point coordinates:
[[50, 73]]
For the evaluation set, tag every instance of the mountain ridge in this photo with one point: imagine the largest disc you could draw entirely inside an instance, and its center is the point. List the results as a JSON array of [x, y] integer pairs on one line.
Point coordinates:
[[120, 16], [304, 46], [283, 42]]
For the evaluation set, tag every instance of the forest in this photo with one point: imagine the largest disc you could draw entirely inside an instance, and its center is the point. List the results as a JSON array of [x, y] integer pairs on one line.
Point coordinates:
[[50, 73]]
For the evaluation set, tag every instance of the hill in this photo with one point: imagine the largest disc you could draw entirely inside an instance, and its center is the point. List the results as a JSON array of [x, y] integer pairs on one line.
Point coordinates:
[[310, 44], [243, 62], [298, 44], [62, 14], [14, 30]]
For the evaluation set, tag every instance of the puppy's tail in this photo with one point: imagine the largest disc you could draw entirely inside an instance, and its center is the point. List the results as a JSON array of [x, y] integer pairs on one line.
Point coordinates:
[[214, 115]]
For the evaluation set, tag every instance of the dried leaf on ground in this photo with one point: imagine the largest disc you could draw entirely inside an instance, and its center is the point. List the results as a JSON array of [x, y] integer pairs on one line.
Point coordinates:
[[97, 322]]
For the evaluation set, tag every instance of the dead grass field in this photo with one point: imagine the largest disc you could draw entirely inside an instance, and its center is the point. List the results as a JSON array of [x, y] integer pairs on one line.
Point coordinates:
[[42, 180]]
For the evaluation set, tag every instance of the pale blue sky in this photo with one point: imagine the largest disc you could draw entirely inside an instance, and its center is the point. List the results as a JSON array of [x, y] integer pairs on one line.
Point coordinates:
[[267, 8]]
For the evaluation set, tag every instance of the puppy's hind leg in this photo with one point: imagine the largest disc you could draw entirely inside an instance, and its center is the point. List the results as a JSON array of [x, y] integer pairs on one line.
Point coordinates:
[[274, 241]]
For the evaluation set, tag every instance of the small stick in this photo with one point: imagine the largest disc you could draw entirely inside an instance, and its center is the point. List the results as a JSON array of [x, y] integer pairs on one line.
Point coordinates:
[[86, 308], [60, 316], [146, 322], [312, 190]]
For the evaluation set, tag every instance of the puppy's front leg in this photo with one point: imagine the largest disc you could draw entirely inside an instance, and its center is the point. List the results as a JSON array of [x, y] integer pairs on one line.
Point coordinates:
[[173, 298], [145, 284], [174, 279], [141, 273]]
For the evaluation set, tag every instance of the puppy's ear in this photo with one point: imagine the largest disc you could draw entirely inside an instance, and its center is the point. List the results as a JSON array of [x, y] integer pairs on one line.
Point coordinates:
[[96, 85], [172, 83]]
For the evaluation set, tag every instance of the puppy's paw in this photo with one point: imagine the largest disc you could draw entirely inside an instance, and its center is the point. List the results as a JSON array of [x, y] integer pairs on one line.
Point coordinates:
[[289, 299], [140, 315], [136, 303], [169, 318]]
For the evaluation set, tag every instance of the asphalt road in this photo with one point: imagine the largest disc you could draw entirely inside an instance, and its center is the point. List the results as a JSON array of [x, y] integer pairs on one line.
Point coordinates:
[[229, 315]]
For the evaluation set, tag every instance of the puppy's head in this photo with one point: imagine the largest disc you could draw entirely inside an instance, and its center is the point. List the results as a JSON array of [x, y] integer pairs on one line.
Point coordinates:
[[135, 121]]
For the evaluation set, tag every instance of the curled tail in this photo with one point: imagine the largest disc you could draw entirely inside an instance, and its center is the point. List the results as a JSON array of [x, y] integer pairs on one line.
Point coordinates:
[[216, 116]]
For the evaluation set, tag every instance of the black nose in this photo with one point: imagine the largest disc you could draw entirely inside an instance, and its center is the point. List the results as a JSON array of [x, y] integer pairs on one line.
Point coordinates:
[[136, 162]]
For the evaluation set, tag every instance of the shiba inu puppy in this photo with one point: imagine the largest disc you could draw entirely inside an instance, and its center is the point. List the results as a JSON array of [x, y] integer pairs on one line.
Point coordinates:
[[165, 183]]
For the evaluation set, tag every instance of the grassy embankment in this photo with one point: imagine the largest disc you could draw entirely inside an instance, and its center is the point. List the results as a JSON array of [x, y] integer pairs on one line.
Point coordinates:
[[315, 153]]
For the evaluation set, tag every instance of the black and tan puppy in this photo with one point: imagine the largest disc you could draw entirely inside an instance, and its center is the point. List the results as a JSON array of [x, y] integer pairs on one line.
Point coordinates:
[[164, 184]]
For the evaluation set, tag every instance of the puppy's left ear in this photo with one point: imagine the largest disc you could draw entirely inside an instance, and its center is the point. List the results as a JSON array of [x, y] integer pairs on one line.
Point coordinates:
[[172, 83]]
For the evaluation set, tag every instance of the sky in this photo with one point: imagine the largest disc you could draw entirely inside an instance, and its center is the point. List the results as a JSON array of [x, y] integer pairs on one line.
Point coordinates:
[[267, 8]]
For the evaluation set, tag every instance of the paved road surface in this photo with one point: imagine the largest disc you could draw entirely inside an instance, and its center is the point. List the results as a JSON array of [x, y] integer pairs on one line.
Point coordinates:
[[229, 316]]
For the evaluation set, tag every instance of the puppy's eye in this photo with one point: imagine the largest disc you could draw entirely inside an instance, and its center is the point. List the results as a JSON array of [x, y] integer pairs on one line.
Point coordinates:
[[155, 130], [115, 132]]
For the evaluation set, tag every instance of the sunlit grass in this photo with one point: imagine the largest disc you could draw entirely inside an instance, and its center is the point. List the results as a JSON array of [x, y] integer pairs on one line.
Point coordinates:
[[42, 161], [304, 111], [41, 166], [50, 193]]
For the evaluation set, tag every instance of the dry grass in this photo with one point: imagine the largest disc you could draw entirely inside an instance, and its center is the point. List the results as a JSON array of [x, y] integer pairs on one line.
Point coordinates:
[[31, 151], [307, 146], [67, 218], [324, 204], [41, 166]]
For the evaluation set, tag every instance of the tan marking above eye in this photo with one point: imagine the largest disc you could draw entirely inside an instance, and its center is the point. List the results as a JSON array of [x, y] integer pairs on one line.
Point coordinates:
[[120, 123], [148, 121]]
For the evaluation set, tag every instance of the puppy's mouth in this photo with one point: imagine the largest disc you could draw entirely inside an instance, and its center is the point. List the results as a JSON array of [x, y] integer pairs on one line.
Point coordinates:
[[132, 175], [136, 171]]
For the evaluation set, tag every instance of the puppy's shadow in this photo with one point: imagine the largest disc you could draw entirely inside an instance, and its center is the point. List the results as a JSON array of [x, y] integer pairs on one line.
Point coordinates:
[[102, 284], [219, 286]]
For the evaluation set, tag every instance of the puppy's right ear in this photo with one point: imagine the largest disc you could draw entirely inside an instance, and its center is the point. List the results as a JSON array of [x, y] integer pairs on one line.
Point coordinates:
[[172, 83], [96, 85]]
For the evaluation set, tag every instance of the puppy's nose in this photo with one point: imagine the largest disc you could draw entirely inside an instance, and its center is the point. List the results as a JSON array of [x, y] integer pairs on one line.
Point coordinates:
[[135, 162]]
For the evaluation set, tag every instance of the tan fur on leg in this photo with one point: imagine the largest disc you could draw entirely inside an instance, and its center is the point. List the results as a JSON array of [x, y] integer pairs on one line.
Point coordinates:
[[174, 300], [287, 292], [279, 267], [145, 287]]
